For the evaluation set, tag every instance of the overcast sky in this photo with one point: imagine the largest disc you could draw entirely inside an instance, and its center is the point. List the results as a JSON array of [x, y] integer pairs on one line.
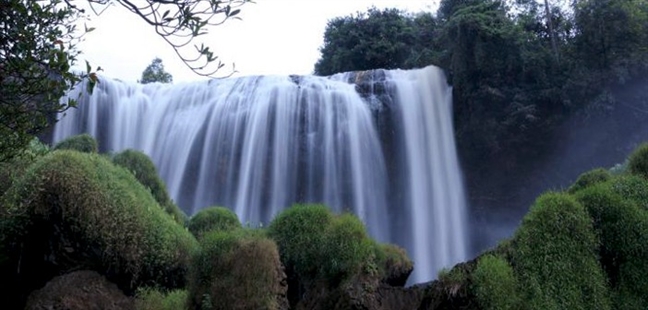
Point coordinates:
[[274, 37]]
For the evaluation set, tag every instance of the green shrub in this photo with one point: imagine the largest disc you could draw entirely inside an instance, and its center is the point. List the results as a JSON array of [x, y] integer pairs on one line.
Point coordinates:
[[316, 245], [141, 166], [623, 231], [213, 219], [74, 210], [13, 169], [394, 265], [152, 299], [555, 256], [495, 284], [632, 187], [83, 143], [638, 161], [589, 178], [237, 269]]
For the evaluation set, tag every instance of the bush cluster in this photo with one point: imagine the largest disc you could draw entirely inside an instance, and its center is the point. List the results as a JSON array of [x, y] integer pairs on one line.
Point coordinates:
[[236, 269], [153, 299], [590, 178], [317, 245], [495, 284], [76, 209], [638, 161]]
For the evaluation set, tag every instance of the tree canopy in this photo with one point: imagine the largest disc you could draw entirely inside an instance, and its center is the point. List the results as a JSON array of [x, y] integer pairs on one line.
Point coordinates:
[[38, 41], [155, 72]]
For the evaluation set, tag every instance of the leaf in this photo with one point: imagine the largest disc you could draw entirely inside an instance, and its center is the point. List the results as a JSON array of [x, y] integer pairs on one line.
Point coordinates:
[[88, 68]]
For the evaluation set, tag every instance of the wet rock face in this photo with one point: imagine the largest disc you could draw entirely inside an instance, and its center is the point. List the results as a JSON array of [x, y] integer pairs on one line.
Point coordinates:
[[79, 290]]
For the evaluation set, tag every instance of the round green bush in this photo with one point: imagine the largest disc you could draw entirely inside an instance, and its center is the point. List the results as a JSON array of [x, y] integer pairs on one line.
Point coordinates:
[[633, 188], [74, 210], [213, 219], [495, 284], [237, 269], [623, 231], [84, 143], [318, 246], [638, 161], [590, 178], [141, 166], [556, 256]]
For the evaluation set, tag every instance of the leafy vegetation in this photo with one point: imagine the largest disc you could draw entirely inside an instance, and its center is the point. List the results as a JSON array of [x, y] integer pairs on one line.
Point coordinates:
[[589, 178], [152, 299], [495, 284], [75, 210], [155, 73], [84, 143], [638, 161], [556, 256], [141, 166], [213, 219], [237, 269]]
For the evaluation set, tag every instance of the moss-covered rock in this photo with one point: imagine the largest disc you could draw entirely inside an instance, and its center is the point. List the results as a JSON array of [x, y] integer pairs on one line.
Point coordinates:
[[84, 143], [237, 269], [623, 231], [495, 285], [556, 256], [590, 178], [213, 219], [638, 161], [141, 166], [74, 210], [153, 299]]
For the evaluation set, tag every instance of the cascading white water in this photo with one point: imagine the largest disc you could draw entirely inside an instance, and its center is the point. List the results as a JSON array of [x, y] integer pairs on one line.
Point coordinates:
[[259, 144]]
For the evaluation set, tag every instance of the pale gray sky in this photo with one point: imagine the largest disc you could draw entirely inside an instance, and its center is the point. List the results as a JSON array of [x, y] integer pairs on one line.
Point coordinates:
[[274, 37]]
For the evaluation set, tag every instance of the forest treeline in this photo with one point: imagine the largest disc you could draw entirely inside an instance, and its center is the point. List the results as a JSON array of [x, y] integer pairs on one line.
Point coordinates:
[[519, 69]]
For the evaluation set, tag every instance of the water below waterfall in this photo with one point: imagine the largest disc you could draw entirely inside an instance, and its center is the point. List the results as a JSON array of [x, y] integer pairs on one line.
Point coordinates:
[[377, 143]]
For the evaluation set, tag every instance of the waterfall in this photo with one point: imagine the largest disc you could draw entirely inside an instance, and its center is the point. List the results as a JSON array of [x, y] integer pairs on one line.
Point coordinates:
[[378, 143]]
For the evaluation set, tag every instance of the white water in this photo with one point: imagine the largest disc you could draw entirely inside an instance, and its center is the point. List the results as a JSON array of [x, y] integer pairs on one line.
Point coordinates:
[[259, 144]]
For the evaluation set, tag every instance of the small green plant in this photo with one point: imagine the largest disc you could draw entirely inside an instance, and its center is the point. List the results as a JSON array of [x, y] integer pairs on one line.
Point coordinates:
[[495, 284], [83, 143], [213, 219], [638, 161], [394, 266], [153, 299]]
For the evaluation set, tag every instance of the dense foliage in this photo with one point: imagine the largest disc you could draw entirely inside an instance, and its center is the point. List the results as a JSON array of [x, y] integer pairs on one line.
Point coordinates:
[[141, 166], [155, 72], [84, 143], [521, 71], [237, 269], [75, 210], [213, 219], [495, 284]]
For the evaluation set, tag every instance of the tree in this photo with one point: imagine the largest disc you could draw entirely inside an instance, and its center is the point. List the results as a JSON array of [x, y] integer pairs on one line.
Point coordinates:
[[155, 73], [37, 50]]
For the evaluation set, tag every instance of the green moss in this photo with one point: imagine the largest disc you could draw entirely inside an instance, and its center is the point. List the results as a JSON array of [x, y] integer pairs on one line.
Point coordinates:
[[213, 219], [495, 284], [638, 161], [623, 231], [152, 299], [589, 178], [74, 210], [141, 166], [84, 143], [238, 269], [318, 246], [555, 256]]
